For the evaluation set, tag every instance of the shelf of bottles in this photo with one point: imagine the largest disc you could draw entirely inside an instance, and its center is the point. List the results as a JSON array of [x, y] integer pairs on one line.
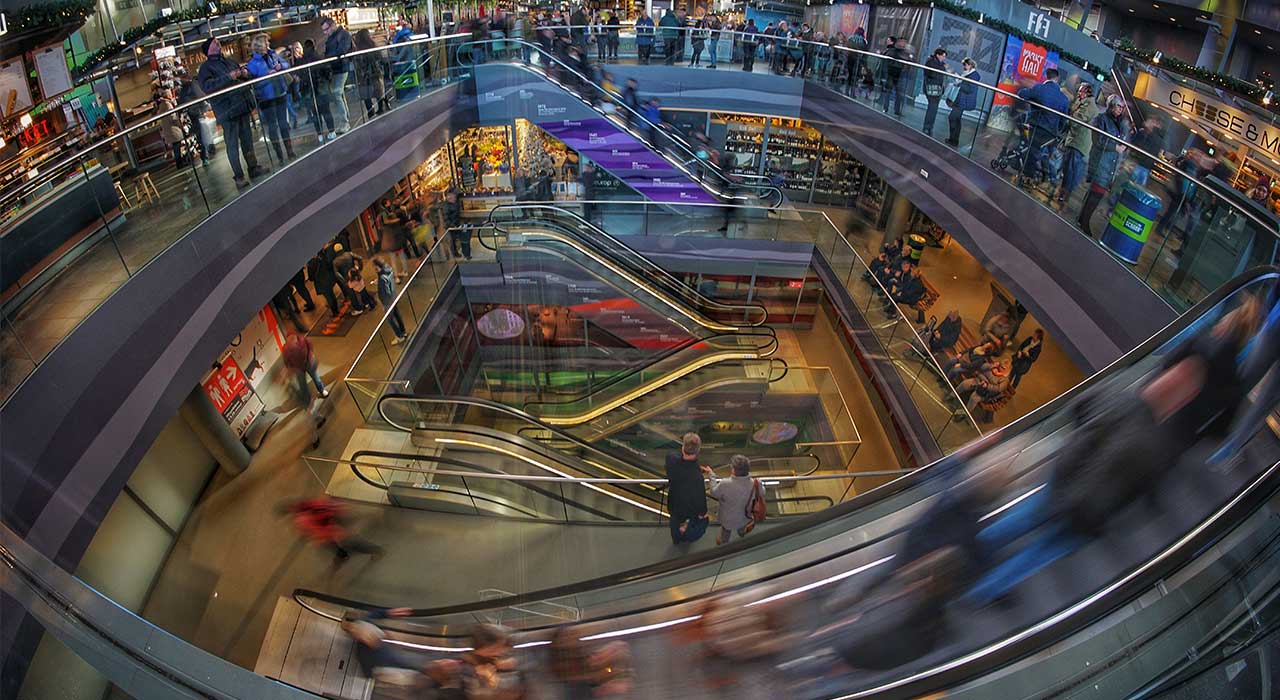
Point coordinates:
[[813, 169], [793, 149], [743, 142]]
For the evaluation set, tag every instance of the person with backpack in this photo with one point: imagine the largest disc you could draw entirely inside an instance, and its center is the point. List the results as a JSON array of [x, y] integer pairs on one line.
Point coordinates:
[[736, 494]]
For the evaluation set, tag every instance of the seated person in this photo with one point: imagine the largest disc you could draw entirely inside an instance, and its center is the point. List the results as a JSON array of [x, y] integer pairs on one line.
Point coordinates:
[[895, 249], [880, 267], [944, 337], [909, 287], [987, 385], [969, 361], [998, 329]]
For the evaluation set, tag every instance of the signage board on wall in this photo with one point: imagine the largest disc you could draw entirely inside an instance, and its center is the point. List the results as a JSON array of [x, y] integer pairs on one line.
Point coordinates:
[[234, 383], [229, 390], [15, 94], [1210, 111], [965, 39], [1024, 63], [51, 68]]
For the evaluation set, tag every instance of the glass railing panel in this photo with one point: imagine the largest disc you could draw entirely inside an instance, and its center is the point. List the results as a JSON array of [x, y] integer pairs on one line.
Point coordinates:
[[130, 215]]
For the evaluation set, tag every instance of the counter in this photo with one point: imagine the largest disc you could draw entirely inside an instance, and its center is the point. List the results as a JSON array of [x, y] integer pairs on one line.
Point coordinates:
[[57, 222]]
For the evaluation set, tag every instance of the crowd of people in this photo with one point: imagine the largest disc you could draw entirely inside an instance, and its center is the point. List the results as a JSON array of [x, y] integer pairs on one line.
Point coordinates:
[[980, 373]]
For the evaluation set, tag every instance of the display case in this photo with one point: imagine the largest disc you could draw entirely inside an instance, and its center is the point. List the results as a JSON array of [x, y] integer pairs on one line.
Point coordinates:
[[482, 159], [840, 177], [743, 143], [793, 149]]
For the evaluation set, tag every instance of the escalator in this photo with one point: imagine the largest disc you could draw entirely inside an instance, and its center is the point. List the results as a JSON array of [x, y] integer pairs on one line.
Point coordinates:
[[655, 161], [1065, 627]]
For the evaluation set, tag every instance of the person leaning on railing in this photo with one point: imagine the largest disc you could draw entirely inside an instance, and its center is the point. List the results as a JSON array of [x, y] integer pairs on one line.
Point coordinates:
[[644, 37], [232, 109]]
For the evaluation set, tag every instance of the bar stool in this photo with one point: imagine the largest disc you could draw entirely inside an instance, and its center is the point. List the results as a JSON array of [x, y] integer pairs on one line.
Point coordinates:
[[143, 187], [120, 193]]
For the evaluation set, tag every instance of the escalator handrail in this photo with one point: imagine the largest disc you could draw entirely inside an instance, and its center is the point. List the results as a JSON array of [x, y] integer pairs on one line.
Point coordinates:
[[671, 283], [694, 560], [617, 101], [763, 350]]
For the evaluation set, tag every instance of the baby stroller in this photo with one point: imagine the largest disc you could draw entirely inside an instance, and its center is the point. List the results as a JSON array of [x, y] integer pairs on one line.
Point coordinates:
[[1015, 152]]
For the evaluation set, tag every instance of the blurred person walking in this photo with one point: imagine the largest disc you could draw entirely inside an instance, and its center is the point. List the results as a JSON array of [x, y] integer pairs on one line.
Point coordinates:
[[325, 522], [300, 358]]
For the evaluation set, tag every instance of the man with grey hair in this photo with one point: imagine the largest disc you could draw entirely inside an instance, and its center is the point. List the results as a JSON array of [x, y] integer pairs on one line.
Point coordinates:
[[686, 493], [734, 495]]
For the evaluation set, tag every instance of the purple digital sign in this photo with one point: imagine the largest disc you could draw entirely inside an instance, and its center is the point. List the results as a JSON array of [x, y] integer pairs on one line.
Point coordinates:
[[627, 159]]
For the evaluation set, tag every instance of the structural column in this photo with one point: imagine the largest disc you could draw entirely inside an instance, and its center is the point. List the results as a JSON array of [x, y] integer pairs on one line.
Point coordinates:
[[213, 432]]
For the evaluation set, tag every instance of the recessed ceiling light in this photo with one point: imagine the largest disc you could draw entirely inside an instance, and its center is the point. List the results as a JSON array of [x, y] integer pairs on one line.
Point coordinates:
[[1258, 32], [1155, 5], [1270, 47], [1131, 9], [1173, 19]]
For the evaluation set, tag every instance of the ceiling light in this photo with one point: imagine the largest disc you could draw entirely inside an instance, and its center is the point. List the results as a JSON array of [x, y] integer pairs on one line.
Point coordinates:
[[25, 120], [1258, 32], [1157, 57], [1155, 5], [1266, 99], [1131, 9]]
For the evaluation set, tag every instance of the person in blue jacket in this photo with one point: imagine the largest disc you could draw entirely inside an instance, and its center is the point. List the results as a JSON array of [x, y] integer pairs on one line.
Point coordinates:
[[644, 37], [966, 99], [1044, 124], [271, 95]]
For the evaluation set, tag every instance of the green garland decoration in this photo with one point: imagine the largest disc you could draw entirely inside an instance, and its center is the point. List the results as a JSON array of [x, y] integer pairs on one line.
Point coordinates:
[[1222, 81], [50, 15]]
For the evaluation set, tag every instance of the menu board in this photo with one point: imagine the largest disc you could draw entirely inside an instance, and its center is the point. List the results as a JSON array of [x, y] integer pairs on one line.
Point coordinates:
[[51, 68], [15, 95]]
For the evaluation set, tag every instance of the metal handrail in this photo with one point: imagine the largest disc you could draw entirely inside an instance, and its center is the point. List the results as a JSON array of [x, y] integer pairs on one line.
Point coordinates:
[[676, 284], [242, 85], [685, 146], [1273, 227]]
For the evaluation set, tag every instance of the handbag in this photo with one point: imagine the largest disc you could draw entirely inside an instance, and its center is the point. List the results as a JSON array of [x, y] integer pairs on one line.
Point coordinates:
[[756, 505], [933, 89], [951, 92]]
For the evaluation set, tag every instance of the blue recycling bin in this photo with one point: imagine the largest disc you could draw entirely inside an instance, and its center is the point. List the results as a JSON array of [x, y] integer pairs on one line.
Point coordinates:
[[1132, 219]]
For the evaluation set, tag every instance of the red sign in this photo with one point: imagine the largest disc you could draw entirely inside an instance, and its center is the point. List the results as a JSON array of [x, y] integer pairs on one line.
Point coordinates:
[[227, 386], [795, 284]]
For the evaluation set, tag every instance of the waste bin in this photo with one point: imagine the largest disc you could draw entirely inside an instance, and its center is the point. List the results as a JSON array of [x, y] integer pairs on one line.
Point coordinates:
[[1131, 221], [916, 243]]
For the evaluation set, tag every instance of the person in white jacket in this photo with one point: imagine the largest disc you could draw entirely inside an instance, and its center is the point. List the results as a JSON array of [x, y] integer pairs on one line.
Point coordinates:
[[734, 495]]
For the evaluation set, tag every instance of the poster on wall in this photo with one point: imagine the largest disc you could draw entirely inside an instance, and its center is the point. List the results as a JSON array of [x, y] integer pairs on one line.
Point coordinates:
[[229, 390], [910, 23], [51, 68], [962, 39], [236, 382], [834, 19], [1024, 64], [15, 94]]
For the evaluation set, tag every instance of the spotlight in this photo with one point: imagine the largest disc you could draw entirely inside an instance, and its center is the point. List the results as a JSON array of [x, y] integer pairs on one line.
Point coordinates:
[[1157, 57]]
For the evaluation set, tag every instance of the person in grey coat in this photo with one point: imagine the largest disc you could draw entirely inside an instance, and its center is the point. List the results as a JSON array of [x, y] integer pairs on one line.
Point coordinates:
[[734, 495]]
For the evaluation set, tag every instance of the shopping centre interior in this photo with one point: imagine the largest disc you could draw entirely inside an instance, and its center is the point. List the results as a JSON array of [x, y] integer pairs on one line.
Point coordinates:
[[385, 371]]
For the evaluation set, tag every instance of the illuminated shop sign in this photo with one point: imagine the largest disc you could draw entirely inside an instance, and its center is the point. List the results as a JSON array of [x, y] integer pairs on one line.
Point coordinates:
[[1210, 112]]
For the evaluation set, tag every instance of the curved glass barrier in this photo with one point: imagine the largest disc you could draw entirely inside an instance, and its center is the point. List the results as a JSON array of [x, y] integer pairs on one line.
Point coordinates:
[[1167, 213], [693, 160], [1175, 561], [77, 230]]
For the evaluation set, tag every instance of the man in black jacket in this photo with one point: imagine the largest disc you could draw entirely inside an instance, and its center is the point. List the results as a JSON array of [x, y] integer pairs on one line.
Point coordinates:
[[578, 27], [1025, 356], [686, 492], [894, 72], [337, 42], [232, 109], [934, 86]]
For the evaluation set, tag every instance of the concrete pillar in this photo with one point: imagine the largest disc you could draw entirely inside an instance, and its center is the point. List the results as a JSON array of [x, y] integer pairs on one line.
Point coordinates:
[[213, 432], [899, 216], [1210, 52]]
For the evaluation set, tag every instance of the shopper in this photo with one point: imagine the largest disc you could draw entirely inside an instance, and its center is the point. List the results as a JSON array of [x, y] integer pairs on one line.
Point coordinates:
[[488, 671], [450, 219], [232, 109], [673, 25], [299, 284], [171, 129], [1079, 141], [578, 27], [714, 25], [368, 75], [1025, 356], [750, 41], [857, 45], [344, 261], [300, 358], [934, 85], [653, 115], [698, 41], [337, 43], [686, 492], [644, 37], [393, 234], [271, 95], [1105, 158], [612, 29], [325, 522], [895, 65], [314, 89], [735, 496], [320, 270], [1044, 124], [945, 336], [387, 295], [966, 99], [781, 54], [631, 98]]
